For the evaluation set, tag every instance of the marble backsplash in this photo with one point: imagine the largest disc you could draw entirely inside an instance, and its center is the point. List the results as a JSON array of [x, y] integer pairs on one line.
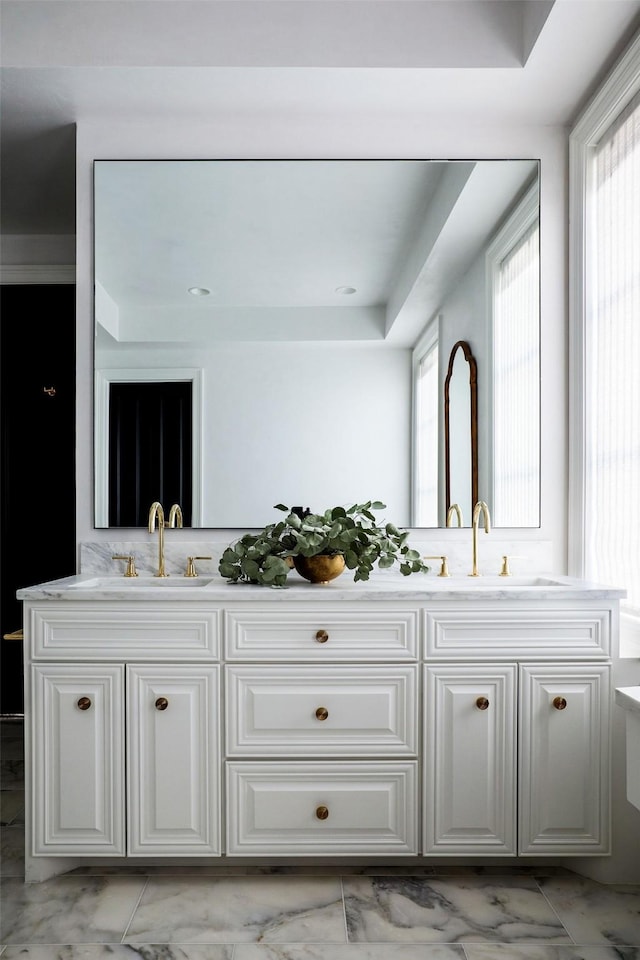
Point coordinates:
[[526, 557]]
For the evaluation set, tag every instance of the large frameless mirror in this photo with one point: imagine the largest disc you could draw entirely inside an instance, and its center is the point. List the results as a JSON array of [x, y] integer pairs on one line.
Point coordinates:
[[288, 301]]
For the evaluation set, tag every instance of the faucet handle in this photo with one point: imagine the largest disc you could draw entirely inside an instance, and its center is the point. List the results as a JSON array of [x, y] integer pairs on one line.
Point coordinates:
[[191, 567], [444, 567], [131, 564], [505, 570]]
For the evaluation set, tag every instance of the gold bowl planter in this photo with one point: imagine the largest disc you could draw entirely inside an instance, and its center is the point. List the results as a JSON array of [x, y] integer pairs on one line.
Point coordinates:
[[321, 568]]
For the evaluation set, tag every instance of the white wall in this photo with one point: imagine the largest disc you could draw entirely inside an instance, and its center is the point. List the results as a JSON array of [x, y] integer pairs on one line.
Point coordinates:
[[264, 388], [392, 136]]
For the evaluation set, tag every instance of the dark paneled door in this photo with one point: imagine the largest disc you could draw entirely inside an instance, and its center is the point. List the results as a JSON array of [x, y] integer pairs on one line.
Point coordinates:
[[37, 413], [150, 450]]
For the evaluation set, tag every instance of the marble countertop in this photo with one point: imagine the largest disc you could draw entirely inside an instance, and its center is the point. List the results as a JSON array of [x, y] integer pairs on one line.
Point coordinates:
[[629, 698], [382, 586]]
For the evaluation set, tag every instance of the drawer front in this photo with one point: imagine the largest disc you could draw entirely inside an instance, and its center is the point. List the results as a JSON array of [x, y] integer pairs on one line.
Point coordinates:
[[532, 632], [287, 632], [108, 631], [331, 711], [321, 808]]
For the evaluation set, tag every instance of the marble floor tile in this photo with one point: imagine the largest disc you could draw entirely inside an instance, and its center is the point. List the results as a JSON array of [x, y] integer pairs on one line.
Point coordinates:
[[68, 909], [12, 851], [443, 910], [12, 773], [272, 909], [349, 951], [520, 951], [11, 806], [595, 913], [119, 951]]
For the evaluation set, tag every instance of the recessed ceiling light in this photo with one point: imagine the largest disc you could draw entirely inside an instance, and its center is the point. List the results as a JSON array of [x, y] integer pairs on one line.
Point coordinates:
[[345, 290], [199, 291]]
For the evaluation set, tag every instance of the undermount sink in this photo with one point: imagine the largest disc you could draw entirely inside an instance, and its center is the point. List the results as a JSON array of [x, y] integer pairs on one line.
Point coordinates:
[[118, 583], [502, 583]]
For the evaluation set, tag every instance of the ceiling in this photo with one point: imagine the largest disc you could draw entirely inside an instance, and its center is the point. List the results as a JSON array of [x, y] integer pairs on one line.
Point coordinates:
[[460, 61]]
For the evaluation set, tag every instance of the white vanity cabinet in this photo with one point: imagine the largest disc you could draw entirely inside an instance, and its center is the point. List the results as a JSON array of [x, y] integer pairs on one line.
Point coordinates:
[[322, 730], [517, 754], [363, 722], [125, 756]]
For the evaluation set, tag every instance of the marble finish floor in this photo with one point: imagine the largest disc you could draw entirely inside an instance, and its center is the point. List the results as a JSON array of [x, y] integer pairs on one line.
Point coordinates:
[[324, 913]]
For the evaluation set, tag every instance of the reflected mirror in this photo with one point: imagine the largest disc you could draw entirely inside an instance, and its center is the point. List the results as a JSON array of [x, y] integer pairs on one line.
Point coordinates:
[[291, 298]]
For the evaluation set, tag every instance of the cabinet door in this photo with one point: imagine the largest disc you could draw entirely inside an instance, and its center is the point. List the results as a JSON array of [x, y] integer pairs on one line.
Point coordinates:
[[564, 759], [173, 761], [78, 761], [470, 744]]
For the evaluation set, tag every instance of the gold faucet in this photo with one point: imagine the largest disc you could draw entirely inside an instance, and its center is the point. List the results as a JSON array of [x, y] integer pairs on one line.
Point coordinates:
[[479, 508], [454, 508], [175, 516], [157, 513]]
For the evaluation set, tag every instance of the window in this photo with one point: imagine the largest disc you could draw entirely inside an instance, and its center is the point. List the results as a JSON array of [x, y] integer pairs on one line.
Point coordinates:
[[605, 474], [427, 413], [513, 266]]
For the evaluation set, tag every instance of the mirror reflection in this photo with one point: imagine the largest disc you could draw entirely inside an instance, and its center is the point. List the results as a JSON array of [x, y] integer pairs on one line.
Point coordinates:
[[308, 309]]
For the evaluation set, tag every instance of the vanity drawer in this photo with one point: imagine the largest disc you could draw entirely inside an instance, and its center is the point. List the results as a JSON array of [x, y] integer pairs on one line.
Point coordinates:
[[108, 631], [324, 711], [322, 809], [535, 632], [294, 632]]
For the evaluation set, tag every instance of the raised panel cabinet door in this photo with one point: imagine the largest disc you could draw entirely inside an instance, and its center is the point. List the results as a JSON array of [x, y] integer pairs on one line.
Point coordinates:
[[470, 759], [173, 766], [564, 759], [77, 781]]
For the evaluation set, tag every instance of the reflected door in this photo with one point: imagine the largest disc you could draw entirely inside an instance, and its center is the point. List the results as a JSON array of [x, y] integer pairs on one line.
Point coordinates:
[[150, 450]]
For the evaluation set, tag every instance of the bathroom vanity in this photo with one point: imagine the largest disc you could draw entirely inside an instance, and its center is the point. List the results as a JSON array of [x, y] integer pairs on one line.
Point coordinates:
[[396, 720]]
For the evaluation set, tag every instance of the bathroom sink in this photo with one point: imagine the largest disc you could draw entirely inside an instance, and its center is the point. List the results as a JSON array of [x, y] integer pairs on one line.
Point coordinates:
[[501, 583], [133, 583]]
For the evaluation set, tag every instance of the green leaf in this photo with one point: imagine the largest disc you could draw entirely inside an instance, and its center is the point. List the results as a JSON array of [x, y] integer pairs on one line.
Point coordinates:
[[281, 506]]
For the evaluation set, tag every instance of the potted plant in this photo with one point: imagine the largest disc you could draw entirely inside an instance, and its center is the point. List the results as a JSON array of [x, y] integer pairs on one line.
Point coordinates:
[[350, 533]]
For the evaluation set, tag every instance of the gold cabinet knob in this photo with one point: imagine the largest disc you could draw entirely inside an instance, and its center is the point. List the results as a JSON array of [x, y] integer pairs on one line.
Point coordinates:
[[84, 703], [482, 703], [559, 703], [322, 636], [322, 813], [162, 703], [322, 713]]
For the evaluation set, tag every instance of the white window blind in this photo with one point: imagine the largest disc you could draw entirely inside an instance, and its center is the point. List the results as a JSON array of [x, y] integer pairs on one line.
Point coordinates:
[[516, 318], [612, 442]]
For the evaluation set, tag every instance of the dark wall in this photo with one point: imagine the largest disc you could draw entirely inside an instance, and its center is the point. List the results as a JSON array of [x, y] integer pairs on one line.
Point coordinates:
[[37, 495]]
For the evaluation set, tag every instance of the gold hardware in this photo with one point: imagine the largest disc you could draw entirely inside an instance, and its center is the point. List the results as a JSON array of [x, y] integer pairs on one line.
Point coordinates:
[[157, 513], [479, 508], [322, 813], [191, 567], [454, 508], [444, 566], [131, 566], [482, 703], [505, 570], [175, 516], [50, 391], [322, 636], [16, 635], [162, 703], [84, 703], [322, 713], [559, 703]]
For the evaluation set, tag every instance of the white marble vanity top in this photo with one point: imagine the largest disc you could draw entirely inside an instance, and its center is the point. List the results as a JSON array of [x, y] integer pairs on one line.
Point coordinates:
[[382, 586]]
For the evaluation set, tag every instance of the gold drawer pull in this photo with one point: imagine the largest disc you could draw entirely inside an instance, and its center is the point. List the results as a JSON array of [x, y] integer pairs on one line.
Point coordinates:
[[482, 703], [84, 703], [322, 713], [322, 813], [162, 703], [322, 636], [559, 703]]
